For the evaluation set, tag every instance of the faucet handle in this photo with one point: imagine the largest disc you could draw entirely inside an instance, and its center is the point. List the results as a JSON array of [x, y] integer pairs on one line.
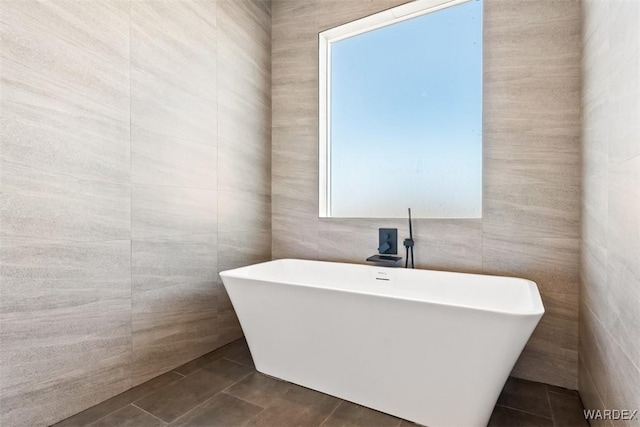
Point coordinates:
[[384, 248], [388, 240]]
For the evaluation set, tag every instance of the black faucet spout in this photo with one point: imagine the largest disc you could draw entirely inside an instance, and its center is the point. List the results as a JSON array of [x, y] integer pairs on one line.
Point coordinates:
[[408, 244]]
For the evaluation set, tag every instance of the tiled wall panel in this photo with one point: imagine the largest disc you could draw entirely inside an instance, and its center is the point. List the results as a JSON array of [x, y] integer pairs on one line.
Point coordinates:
[[610, 261], [135, 165], [531, 220]]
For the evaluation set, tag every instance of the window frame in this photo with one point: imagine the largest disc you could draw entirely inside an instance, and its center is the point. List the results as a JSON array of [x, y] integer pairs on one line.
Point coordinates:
[[385, 18]]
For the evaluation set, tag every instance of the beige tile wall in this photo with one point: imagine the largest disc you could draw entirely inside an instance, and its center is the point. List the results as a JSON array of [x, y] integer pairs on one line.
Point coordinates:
[[610, 272], [530, 226], [135, 166]]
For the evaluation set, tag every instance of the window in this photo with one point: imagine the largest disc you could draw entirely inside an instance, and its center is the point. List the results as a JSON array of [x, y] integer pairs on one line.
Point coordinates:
[[401, 113]]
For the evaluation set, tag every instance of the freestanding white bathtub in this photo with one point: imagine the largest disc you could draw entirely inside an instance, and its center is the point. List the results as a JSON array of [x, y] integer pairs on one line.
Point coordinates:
[[432, 347]]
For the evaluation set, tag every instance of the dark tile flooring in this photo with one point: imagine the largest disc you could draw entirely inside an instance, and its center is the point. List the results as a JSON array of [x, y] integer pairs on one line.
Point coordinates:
[[223, 388]]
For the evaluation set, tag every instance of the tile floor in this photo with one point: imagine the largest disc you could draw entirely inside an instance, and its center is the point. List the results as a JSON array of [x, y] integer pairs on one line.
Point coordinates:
[[223, 388]]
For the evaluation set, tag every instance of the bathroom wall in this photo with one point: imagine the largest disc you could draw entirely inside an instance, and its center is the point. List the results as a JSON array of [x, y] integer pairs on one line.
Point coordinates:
[[610, 268], [135, 158], [531, 214]]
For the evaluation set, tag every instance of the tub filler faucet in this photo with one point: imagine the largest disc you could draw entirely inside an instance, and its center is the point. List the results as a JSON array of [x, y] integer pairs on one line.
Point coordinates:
[[408, 244], [387, 248]]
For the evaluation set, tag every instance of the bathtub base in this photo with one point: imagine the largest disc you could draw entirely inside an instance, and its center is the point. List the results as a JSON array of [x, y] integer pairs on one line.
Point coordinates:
[[432, 364]]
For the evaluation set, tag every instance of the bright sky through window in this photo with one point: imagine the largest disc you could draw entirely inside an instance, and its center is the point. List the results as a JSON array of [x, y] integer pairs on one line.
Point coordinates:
[[406, 118]]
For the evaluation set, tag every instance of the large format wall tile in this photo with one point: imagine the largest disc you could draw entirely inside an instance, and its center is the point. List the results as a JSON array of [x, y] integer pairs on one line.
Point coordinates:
[[295, 232], [176, 41], [65, 339], [588, 394], [244, 229], [239, 210], [454, 245], [593, 277], [624, 85], [532, 158], [237, 248], [332, 13], [294, 180], [595, 102], [594, 347], [532, 210], [550, 262], [244, 161], [64, 133], [595, 207], [53, 36], [69, 141], [623, 255], [244, 137], [294, 190], [624, 383], [164, 108], [158, 159], [43, 205], [294, 165], [295, 65], [174, 302], [531, 119], [172, 211], [551, 355]]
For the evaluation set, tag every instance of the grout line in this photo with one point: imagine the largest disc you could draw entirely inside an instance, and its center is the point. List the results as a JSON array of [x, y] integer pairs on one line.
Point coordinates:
[[553, 420], [65, 174], [209, 362], [235, 353], [188, 187], [251, 419], [611, 336], [47, 241], [147, 412], [621, 348], [102, 417], [619, 162], [217, 143], [175, 86], [525, 412], [331, 413], [239, 363], [150, 129], [234, 383], [565, 394], [210, 398], [592, 381], [195, 407], [130, 214], [174, 237], [240, 398]]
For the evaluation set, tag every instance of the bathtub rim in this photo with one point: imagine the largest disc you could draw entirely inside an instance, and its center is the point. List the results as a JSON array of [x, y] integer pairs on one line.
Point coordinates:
[[538, 308]]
